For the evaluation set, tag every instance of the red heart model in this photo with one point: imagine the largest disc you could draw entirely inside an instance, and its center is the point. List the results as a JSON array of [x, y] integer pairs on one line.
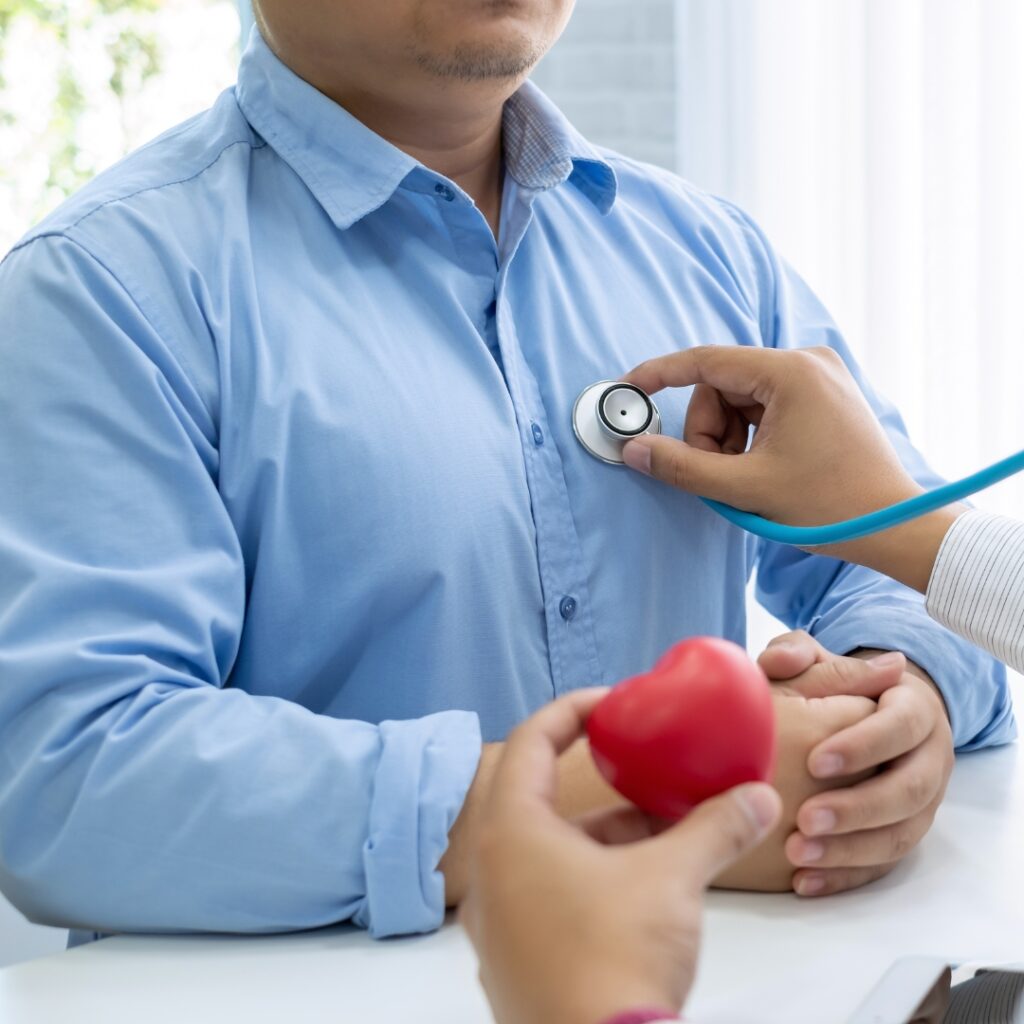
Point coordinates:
[[700, 722]]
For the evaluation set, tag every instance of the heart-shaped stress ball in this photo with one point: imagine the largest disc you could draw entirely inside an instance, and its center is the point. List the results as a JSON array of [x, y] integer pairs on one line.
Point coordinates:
[[700, 722]]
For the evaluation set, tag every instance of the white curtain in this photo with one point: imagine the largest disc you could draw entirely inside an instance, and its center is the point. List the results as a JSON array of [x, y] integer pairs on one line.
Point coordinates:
[[881, 145]]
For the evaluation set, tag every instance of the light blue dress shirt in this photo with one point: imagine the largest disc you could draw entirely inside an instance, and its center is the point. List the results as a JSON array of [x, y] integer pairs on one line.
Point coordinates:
[[292, 514]]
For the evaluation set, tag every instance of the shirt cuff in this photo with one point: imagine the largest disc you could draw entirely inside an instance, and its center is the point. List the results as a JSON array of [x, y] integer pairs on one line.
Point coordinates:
[[977, 584], [425, 769]]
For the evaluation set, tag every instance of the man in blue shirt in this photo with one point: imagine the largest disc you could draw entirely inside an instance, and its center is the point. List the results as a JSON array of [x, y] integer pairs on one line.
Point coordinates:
[[293, 527]]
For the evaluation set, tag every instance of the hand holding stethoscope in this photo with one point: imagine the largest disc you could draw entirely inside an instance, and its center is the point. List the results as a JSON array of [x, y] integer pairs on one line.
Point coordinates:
[[819, 472], [818, 454]]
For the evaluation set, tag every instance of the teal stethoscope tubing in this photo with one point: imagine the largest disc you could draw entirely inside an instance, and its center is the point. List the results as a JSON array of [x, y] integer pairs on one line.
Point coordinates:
[[873, 522]]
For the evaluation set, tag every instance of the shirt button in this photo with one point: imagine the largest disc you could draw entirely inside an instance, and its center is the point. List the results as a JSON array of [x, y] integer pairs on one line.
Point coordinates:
[[538, 435], [567, 608], [444, 192]]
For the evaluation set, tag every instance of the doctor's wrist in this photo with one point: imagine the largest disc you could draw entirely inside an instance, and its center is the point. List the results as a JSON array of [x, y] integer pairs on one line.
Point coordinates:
[[905, 553]]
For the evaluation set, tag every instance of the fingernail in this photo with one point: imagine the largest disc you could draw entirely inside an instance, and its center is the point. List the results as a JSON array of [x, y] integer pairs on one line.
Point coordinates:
[[884, 661], [821, 821], [760, 805], [808, 885], [638, 457], [811, 851], [824, 766]]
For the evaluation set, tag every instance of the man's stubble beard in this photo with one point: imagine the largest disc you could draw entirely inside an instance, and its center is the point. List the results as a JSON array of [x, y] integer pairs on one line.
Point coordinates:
[[506, 59], [469, 63]]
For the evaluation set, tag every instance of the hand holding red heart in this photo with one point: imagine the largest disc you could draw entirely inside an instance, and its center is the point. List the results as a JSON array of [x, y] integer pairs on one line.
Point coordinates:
[[577, 921], [699, 723]]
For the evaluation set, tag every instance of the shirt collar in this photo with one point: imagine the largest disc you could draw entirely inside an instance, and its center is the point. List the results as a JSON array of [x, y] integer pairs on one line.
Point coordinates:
[[352, 171]]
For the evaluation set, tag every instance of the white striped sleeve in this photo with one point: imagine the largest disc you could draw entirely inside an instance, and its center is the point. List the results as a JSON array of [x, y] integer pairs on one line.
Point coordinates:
[[977, 585]]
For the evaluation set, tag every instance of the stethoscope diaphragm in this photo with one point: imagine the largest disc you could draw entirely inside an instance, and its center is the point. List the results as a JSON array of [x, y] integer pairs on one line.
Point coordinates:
[[610, 413]]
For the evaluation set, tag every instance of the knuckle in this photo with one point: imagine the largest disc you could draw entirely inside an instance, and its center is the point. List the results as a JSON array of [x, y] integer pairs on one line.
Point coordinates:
[[679, 474], [918, 790], [737, 833], [826, 354], [850, 668], [839, 674], [901, 842], [852, 815], [905, 720], [836, 880], [843, 669], [793, 636]]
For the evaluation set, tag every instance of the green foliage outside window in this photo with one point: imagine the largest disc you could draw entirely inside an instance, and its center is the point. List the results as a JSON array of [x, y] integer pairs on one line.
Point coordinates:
[[133, 51]]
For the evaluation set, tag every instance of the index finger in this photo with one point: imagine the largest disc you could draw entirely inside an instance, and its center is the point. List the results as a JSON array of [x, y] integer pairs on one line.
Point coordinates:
[[528, 762], [737, 369], [900, 724]]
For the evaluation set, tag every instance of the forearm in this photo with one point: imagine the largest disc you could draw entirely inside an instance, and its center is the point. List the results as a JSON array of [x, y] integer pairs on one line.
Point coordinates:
[[198, 809], [904, 553]]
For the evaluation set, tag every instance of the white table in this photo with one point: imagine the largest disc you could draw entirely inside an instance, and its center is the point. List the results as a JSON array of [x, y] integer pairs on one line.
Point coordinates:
[[766, 958]]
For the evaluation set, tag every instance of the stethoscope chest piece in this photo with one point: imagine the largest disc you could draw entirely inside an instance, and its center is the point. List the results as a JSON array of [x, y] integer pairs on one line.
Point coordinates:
[[608, 414]]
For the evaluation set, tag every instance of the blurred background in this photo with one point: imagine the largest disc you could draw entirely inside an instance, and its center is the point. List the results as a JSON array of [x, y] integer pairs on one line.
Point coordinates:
[[880, 145]]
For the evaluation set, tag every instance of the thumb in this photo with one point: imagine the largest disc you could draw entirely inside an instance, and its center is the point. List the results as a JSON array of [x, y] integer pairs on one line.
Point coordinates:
[[853, 676], [725, 478], [719, 831]]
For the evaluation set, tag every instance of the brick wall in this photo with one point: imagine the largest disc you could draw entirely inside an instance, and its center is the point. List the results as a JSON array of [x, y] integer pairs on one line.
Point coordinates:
[[613, 74]]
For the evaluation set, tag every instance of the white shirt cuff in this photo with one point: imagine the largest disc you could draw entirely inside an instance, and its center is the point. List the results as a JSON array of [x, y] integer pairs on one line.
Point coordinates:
[[977, 584]]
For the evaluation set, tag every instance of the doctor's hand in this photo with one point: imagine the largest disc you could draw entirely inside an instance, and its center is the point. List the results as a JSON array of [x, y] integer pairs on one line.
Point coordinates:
[[575, 922], [818, 455], [849, 836]]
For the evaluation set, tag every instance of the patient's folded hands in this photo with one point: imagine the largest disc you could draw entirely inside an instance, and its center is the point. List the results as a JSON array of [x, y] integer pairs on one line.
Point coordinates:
[[850, 837], [864, 755], [862, 793]]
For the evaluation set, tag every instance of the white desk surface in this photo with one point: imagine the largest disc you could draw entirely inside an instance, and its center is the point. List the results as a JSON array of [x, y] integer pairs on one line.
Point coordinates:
[[766, 959]]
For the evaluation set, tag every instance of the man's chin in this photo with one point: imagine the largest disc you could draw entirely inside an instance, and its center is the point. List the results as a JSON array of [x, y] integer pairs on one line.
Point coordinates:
[[482, 39], [503, 60]]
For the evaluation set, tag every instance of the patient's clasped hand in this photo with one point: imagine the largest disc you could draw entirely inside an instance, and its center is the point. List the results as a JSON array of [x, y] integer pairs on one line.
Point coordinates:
[[703, 720]]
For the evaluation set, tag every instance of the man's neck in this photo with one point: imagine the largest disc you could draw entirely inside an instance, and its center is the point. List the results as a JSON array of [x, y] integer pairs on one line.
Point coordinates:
[[448, 127], [462, 141]]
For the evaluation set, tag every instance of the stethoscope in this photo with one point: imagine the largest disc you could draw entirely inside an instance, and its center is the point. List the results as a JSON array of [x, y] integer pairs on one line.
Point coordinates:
[[610, 413]]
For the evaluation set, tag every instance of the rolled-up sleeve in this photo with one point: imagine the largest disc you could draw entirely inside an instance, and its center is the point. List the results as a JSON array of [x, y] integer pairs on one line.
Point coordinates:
[[139, 791], [845, 606]]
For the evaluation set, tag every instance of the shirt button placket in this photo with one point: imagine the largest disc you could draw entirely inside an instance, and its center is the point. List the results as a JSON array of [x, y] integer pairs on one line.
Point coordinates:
[[573, 651]]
